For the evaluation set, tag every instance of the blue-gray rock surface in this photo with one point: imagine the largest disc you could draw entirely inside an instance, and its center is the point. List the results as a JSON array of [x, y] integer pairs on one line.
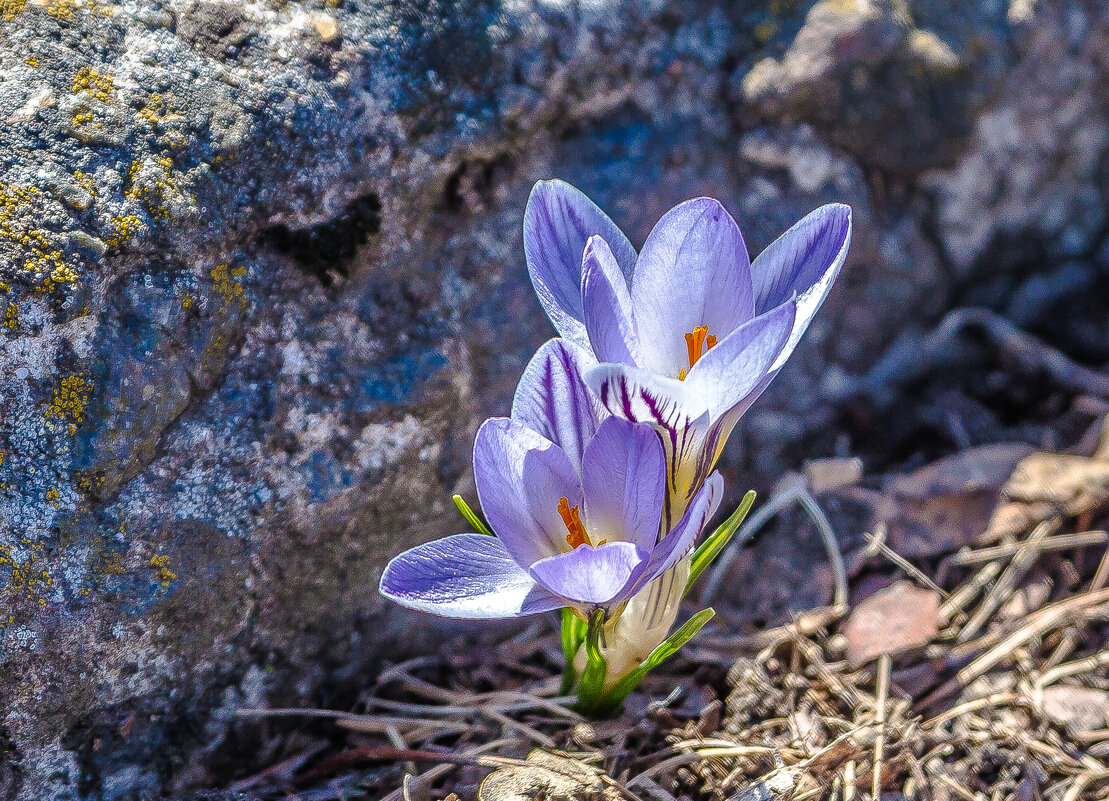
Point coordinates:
[[261, 276]]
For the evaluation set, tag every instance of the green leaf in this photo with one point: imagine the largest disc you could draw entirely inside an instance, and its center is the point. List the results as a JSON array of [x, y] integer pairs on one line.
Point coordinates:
[[573, 635], [596, 667], [614, 697], [708, 550], [471, 515]]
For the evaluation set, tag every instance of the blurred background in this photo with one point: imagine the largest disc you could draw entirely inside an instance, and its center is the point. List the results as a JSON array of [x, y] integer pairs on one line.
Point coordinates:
[[262, 276]]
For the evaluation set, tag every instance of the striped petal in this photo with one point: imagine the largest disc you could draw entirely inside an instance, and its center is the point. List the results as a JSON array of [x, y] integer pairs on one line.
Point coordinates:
[[804, 261], [464, 576], [558, 221], [553, 400], [675, 409], [679, 542], [607, 306]]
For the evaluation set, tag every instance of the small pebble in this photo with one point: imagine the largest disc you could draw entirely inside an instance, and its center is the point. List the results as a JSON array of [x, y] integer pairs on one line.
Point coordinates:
[[326, 27]]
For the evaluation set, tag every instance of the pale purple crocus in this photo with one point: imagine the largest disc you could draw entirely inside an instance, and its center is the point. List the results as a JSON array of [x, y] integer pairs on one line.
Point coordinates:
[[552, 398], [688, 333], [579, 531]]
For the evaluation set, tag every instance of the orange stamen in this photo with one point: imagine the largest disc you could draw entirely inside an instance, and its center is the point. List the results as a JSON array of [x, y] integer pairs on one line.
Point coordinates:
[[573, 523], [697, 343]]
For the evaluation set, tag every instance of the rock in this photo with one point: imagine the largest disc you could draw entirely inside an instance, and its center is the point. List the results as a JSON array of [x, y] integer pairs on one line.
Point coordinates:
[[261, 276], [826, 475], [857, 69], [1046, 127], [1080, 710], [895, 619], [326, 27]]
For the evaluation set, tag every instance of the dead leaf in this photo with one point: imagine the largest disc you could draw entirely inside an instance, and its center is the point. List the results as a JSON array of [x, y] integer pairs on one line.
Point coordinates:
[[549, 776], [1080, 710], [947, 504], [1047, 484], [892, 620]]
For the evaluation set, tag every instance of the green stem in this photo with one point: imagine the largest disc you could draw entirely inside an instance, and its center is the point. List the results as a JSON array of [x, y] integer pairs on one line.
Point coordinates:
[[591, 686], [573, 635]]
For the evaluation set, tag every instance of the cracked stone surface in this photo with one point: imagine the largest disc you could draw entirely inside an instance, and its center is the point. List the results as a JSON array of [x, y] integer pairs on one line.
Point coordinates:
[[261, 276]]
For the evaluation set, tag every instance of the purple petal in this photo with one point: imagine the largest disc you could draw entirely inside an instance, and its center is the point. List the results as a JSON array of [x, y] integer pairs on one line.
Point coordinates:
[[804, 260], [520, 477], [607, 305], [693, 271], [678, 542], [624, 477], [729, 372], [468, 576], [557, 222], [677, 411], [553, 400], [721, 427], [592, 575]]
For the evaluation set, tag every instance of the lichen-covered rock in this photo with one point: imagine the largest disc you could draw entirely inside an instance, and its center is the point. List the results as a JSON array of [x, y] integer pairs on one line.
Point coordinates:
[[261, 275]]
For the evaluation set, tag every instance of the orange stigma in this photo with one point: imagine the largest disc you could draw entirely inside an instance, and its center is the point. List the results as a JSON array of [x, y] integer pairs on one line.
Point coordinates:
[[570, 517], [697, 344]]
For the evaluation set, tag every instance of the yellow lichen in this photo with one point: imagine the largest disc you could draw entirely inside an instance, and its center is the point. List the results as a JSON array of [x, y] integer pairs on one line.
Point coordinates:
[[228, 288], [10, 9], [152, 192], [61, 9], [71, 398], [113, 566], [17, 208], [124, 227], [87, 480], [11, 319], [62, 274], [157, 111], [165, 575], [103, 560], [32, 61], [27, 577], [94, 83], [86, 181]]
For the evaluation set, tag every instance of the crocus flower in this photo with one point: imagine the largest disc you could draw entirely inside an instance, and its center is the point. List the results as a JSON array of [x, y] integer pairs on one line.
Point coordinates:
[[688, 333], [553, 399], [573, 531]]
